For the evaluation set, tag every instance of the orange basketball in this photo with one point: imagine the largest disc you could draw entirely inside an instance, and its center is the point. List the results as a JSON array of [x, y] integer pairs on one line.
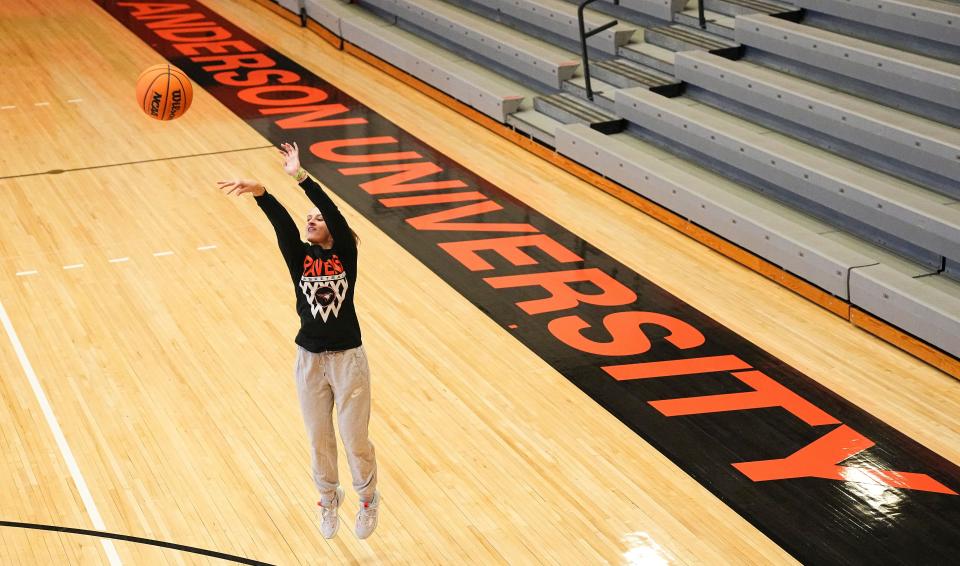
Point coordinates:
[[164, 92]]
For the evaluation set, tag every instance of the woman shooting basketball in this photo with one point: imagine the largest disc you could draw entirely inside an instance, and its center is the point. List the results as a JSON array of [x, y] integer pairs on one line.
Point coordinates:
[[331, 362]]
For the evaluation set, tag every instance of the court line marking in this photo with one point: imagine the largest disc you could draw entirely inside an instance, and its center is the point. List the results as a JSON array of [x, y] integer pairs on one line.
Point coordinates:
[[59, 171], [114, 260], [75, 100], [61, 440], [139, 540], [41, 104], [7, 107]]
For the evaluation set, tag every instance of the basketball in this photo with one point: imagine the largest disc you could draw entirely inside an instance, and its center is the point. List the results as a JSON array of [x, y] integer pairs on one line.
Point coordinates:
[[164, 92]]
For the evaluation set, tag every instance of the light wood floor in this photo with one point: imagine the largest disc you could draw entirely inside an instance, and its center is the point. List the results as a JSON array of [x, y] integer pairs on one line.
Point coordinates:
[[171, 375]]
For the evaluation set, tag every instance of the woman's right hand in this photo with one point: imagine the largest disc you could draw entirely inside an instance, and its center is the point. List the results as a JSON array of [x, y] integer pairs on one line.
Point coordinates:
[[241, 186]]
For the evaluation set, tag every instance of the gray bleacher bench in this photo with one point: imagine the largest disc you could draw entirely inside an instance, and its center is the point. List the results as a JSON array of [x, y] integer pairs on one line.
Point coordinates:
[[292, 5], [922, 77], [535, 124], [328, 13], [927, 307], [662, 9], [650, 55], [560, 18], [770, 230], [568, 109], [742, 7], [935, 21], [906, 211], [482, 89], [680, 38], [919, 142], [536, 59], [717, 23]]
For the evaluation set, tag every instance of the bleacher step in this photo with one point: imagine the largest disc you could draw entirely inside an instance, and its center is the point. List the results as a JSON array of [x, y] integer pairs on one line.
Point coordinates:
[[546, 63], [569, 109], [649, 55], [468, 82], [742, 7], [662, 9], [717, 23], [684, 38], [603, 92], [623, 73], [553, 16], [537, 125]]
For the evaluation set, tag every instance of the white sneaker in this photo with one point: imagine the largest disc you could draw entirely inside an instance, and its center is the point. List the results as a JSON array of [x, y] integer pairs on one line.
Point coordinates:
[[329, 520], [367, 516]]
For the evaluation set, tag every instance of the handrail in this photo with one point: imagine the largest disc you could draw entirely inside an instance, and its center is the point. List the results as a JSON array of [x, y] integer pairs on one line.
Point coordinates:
[[700, 14], [583, 41]]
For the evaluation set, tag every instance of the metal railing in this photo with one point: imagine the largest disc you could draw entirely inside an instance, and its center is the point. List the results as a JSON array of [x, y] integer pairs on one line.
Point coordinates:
[[302, 12], [584, 35]]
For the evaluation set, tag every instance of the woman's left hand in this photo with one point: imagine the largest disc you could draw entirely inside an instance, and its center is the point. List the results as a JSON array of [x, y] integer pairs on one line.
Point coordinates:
[[291, 158]]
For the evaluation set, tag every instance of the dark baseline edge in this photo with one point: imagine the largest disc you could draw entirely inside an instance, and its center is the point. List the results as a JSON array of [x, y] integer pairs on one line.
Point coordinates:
[[138, 540]]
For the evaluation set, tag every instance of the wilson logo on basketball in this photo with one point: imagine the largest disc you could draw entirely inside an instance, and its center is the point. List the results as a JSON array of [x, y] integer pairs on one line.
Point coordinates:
[[176, 102], [164, 92]]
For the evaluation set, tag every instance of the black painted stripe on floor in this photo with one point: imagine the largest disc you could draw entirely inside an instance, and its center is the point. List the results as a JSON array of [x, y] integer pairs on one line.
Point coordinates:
[[138, 540], [108, 165], [824, 479]]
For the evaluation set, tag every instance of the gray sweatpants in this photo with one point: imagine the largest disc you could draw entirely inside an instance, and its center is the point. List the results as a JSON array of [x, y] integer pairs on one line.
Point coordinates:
[[342, 378]]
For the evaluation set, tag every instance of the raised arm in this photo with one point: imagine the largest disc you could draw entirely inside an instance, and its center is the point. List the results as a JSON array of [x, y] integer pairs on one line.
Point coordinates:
[[288, 236], [337, 224]]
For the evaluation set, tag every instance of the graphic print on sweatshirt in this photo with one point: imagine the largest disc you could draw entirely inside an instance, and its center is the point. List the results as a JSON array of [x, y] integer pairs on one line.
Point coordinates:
[[324, 284]]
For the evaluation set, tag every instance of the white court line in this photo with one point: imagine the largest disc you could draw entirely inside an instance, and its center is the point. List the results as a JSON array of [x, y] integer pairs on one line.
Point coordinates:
[[61, 440], [41, 104], [210, 247], [29, 272], [75, 100], [159, 254], [73, 266], [7, 107], [119, 259]]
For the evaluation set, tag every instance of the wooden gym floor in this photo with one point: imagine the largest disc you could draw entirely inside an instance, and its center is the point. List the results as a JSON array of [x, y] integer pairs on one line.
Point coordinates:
[[156, 318]]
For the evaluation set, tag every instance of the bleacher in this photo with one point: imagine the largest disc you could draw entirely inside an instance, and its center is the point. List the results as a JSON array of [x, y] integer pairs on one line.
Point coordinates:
[[821, 135]]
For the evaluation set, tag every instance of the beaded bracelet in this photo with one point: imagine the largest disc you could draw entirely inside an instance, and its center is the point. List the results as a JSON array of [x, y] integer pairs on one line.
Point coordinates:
[[300, 175]]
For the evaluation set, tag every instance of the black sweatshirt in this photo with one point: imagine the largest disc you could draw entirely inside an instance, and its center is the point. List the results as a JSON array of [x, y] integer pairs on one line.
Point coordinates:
[[324, 280]]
